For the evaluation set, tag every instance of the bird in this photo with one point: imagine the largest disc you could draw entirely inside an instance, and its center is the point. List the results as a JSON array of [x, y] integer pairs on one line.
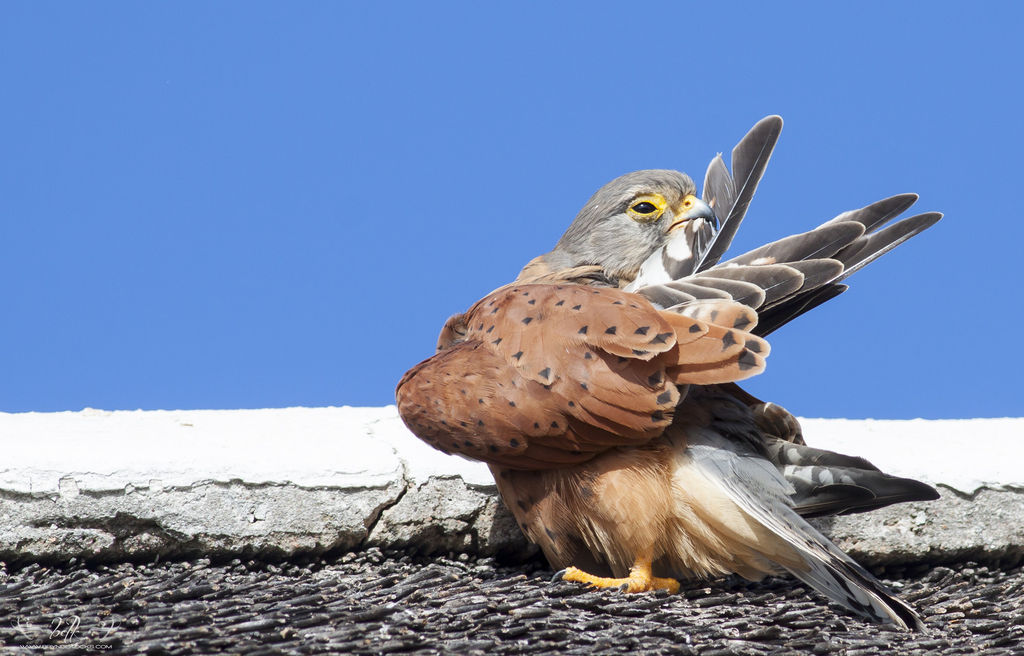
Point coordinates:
[[600, 387]]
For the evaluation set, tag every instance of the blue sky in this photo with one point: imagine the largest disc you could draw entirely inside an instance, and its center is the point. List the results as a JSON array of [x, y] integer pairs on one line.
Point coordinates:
[[224, 205]]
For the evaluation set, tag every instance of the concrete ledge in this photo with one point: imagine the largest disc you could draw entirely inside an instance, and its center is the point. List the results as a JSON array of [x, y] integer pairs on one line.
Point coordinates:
[[102, 485]]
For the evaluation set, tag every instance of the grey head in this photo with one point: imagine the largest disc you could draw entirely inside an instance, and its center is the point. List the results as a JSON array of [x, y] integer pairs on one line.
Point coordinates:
[[628, 219]]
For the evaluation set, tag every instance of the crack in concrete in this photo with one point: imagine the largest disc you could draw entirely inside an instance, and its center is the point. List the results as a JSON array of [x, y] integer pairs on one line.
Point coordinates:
[[120, 524], [407, 484], [976, 492]]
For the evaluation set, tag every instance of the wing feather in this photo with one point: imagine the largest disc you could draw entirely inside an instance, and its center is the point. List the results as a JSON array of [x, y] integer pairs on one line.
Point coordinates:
[[749, 160], [876, 244], [534, 369], [799, 272]]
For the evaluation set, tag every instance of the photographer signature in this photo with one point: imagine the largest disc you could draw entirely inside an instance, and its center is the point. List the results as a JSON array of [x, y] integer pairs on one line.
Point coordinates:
[[61, 629]]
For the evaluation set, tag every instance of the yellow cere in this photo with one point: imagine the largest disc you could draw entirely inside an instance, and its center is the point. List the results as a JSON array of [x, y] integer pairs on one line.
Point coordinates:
[[687, 203]]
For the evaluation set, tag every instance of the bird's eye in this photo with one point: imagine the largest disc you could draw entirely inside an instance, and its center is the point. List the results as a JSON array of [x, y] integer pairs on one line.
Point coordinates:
[[647, 208]]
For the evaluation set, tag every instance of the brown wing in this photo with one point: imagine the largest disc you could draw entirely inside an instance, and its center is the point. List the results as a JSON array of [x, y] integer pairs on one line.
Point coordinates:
[[546, 375]]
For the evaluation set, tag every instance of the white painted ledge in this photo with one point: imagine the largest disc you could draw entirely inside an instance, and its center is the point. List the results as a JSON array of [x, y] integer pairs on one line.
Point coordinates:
[[965, 455], [134, 484]]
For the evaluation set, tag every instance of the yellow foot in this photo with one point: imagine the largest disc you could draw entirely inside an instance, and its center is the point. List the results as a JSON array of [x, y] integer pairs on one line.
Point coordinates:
[[639, 579]]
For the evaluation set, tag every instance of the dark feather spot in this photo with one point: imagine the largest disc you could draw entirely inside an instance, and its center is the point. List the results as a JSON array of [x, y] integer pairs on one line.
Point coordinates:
[[572, 404], [576, 307], [661, 338], [513, 443], [747, 361], [622, 359], [654, 379], [583, 330], [480, 327], [642, 330], [467, 443], [522, 504], [554, 424], [664, 397], [495, 311], [490, 329], [550, 534], [511, 404], [492, 448], [480, 401], [584, 386], [444, 423], [497, 341], [576, 452], [695, 328], [657, 415], [517, 355], [639, 352], [545, 372], [753, 345], [741, 322], [536, 425], [714, 315], [532, 301], [527, 320], [617, 303], [526, 293], [559, 303], [586, 492], [479, 422], [610, 331], [728, 340], [587, 355], [463, 424]]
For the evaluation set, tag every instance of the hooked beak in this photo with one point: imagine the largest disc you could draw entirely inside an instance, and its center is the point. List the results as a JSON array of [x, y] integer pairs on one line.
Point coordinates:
[[693, 208]]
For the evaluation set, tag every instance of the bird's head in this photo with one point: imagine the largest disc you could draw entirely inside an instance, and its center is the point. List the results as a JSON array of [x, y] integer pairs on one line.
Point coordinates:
[[630, 218]]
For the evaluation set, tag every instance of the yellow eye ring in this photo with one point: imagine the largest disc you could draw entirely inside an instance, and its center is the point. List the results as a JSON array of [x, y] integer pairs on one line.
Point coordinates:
[[647, 208]]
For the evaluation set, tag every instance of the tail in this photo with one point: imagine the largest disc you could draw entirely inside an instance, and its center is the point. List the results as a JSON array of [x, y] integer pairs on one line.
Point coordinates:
[[759, 489]]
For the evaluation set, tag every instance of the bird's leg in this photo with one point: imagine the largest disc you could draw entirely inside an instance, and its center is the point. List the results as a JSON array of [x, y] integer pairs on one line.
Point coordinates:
[[640, 578]]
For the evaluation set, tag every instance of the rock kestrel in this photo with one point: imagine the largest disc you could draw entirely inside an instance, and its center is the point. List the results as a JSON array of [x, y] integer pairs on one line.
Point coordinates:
[[600, 387]]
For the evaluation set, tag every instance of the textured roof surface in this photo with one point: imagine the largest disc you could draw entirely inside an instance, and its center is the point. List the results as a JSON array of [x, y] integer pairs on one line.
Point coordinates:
[[369, 603]]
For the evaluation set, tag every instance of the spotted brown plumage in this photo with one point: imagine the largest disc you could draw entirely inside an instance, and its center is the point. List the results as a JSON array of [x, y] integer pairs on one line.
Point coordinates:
[[528, 351], [600, 387]]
